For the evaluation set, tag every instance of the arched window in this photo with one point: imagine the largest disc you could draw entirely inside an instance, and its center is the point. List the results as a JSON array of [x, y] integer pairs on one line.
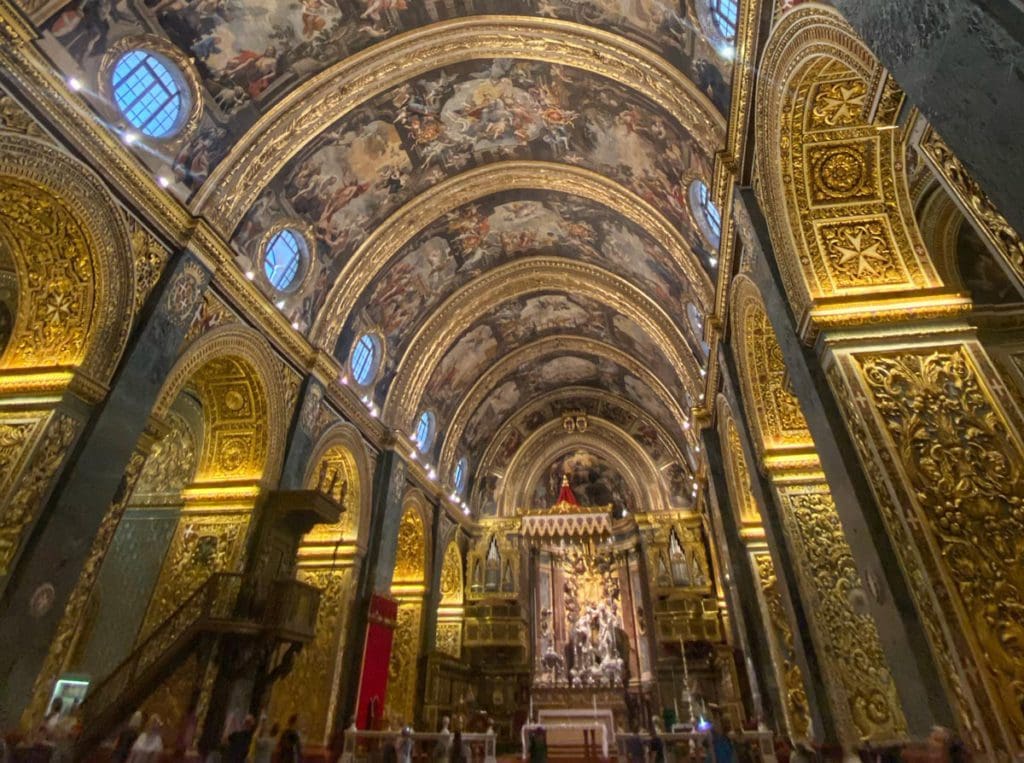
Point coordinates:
[[365, 359], [425, 431], [724, 14], [282, 258], [705, 212], [150, 93], [459, 477]]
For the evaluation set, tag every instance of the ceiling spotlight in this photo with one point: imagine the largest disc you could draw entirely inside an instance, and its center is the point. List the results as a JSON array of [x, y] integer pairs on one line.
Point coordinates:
[[432, 474], [703, 372], [365, 399], [413, 455], [344, 379], [728, 52], [295, 325], [713, 261], [280, 304], [129, 137], [686, 424], [75, 84], [466, 511], [250, 275], [702, 397], [373, 413], [163, 181], [697, 448]]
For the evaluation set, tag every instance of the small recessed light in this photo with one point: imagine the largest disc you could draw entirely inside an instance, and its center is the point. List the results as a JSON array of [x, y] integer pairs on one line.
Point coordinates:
[[163, 181], [466, 511], [295, 325], [713, 261], [75, 84], [250, 275], [280, 304], [703, 372], [130, 137], [728, 52], [344, 379], [413, 455]]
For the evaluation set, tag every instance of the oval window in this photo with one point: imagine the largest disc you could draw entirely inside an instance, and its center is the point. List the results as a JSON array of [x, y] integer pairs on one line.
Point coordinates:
[[150, 93], [425, 431], [282, 258], [365, 359]]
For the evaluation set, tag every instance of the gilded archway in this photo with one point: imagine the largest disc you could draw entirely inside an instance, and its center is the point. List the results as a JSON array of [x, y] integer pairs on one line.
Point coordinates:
[[863, 696]]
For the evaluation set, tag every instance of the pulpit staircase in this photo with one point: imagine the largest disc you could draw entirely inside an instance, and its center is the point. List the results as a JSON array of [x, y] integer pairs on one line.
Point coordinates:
[[215, 609]]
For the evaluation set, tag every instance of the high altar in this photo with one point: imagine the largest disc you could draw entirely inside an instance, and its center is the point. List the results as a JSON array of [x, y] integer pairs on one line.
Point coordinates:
[[589, 617]]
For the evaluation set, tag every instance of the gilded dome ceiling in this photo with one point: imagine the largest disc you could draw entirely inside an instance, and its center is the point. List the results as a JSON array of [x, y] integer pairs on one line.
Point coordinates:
[[506, 200]]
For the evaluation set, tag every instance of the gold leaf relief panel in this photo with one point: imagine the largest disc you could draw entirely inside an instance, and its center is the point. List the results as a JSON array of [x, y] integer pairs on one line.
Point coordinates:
[[24, 501], [311, 688], [782, 420], [792, 680], [933, 604], [451, 575], [964, 466], [405, 651], [862, 689], [201, 546], [56, 278], [449, 639], [150, 257], [410, 556]]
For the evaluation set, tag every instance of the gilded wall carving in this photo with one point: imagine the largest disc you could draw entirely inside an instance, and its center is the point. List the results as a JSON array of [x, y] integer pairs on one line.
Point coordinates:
[[410, 558], [72, 257], [965, 468], [57, 293], [25, 499], [792, 685], [860, 681], [150, 257], [311, 688], [451, 575], [908, 536], [16, 435], [15, 119], [402, 699], [449, 639], [202, 545]]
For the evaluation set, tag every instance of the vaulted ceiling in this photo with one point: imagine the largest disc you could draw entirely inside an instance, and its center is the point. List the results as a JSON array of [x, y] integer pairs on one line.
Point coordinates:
[[501, 192]]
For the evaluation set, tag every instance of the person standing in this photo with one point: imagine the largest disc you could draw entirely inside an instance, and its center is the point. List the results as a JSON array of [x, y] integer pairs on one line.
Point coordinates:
[[236, 747], [289, 747], [127, 737], [266, 737], [149, 747]]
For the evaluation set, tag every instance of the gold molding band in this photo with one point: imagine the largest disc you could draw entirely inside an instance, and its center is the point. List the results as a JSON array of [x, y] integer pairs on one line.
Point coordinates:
[[236, 182]]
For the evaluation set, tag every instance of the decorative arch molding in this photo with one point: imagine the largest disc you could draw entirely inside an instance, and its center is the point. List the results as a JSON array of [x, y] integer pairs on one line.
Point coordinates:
[[603, 438], [342, 444], [737, 473], [261, 153], [832, 180], [72, 252], [777, 424], [412, 559], [486, 463], [386, 241], [524, 276], [558, 344], [254, 366]]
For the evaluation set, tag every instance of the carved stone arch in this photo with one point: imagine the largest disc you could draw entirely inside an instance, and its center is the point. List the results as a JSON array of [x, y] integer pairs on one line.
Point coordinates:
[[72, 256], [550, 345], [261, 153], [342, 448], [603, 438], [520, 277], [386, 241], [777, 424], [237, 377], [831, 173], [486, 463], [412, 558], [737, 472]]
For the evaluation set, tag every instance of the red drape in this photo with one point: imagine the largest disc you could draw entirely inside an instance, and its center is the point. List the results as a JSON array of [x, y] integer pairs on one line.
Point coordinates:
[[373, 683]]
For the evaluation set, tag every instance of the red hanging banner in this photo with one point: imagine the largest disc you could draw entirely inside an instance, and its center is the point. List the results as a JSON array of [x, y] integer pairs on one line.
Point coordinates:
[[373, 682]]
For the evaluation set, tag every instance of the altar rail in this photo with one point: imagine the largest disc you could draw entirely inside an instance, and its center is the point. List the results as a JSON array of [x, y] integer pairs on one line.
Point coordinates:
[[686, 746], [363, 745]]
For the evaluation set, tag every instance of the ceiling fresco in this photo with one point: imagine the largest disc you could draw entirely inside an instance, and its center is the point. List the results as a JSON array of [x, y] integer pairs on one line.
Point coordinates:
[[480, 236], [250, 53], [530, 381], [528, 319], [503, 440], [594, 481], [346, 181]]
